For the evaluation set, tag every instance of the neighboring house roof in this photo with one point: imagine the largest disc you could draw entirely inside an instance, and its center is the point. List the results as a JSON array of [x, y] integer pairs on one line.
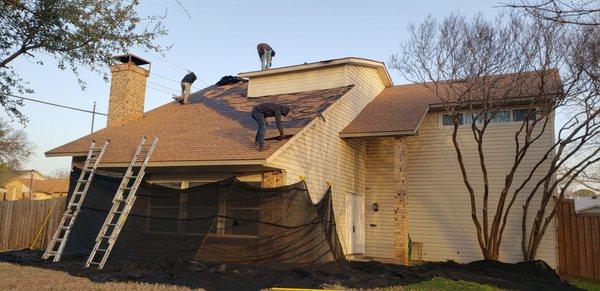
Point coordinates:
[[10, 175], [398, 110], [49, 186], [215, 126]]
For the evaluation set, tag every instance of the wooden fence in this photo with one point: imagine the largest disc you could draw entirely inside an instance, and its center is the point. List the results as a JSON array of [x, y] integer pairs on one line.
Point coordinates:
[[578, 242], [22, 220]]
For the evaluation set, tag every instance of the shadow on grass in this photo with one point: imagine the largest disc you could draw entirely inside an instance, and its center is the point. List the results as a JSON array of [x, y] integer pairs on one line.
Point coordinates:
[[523, 276]]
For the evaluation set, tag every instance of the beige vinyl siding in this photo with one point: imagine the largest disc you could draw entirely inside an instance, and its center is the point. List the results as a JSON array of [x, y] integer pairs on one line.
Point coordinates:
[[439, 210], [324, 78], [438, 202], [321, 156], [379, 226]]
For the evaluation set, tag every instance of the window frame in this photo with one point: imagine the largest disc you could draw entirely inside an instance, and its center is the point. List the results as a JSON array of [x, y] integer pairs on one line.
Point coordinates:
[[181, 230], [511, 117]]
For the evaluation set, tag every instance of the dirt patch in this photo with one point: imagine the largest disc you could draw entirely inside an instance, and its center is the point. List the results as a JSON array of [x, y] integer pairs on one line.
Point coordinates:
[[523, 276]]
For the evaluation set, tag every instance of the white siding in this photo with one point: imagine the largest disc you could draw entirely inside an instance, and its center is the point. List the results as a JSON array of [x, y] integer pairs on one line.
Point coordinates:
[[439, 210], [321, 156], [324, 78]]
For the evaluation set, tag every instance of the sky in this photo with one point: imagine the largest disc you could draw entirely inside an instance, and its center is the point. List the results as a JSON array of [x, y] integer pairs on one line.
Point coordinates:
[[219, 38]]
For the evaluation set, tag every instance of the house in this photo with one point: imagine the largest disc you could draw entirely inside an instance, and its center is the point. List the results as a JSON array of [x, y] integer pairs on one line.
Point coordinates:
[[31, 184], [383, 148]]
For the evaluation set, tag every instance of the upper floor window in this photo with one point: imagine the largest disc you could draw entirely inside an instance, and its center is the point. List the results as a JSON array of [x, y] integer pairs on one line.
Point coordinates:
[[502, 116]]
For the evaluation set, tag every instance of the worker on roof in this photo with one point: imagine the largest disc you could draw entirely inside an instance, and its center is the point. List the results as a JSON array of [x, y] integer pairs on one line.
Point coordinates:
[[186, 85], [265, 53], [263, 110]]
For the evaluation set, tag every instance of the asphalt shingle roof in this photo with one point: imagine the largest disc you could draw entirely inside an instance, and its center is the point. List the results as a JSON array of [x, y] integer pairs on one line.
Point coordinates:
[[215, 126]]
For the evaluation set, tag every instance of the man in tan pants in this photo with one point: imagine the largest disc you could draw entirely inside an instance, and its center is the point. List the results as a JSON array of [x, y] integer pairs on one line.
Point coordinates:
[[186, 85]]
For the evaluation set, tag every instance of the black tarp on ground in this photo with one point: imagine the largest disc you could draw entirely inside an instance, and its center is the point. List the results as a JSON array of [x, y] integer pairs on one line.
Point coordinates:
[[226, 221]]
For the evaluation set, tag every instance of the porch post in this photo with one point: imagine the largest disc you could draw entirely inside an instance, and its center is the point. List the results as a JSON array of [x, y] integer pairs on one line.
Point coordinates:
[[401, 203]]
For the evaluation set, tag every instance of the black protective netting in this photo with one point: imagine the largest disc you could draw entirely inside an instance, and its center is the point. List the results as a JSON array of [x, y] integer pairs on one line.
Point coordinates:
[[227, 222]]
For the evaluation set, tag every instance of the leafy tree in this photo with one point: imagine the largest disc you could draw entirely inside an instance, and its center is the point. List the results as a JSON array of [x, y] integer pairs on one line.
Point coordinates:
[[71, 31]]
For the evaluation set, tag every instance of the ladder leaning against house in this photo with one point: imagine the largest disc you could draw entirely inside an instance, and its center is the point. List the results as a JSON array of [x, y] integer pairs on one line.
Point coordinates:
[[57, 245], [122, 204]]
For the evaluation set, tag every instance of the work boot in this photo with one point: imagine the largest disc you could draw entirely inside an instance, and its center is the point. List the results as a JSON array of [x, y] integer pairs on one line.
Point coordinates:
[[263, 147]]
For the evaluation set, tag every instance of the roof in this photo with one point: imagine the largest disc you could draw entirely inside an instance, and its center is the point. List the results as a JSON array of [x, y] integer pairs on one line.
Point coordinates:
[[48, 186], [215, 127], [399, 110], [9, 175], [380, 66]]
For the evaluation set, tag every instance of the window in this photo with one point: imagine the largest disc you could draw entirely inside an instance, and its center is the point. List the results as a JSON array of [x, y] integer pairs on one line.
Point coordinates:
[[447, 119], [502, 116], [245, 207], [165, 208], [521, 114]]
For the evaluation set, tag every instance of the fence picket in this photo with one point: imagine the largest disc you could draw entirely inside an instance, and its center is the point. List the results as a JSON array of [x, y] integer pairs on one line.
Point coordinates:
[[578, 242], [21, 220]]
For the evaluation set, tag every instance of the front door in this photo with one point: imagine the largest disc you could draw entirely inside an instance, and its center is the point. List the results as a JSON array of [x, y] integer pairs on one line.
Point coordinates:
[[355, 223]]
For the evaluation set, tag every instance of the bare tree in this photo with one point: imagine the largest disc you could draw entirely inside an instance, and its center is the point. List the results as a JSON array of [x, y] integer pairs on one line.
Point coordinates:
[[60, 174], [584, 12], [14, 147], [477, 68]]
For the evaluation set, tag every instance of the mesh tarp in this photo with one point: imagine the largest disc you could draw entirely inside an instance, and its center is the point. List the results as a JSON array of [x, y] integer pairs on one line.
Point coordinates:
[[224, 222]]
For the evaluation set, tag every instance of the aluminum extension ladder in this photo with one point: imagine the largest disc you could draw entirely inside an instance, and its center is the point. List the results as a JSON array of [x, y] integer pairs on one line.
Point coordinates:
[[122, 204], [57, 245]]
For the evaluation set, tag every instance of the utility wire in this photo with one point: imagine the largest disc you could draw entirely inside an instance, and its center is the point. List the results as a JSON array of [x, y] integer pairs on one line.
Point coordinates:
[[54, 104], [92, 69], [175, 65]]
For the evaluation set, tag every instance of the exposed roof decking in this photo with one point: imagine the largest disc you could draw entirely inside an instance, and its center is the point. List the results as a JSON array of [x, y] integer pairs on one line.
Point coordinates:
[[215, 128]]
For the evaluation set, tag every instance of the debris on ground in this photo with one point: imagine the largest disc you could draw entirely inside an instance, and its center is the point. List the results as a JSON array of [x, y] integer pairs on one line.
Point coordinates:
[[536, 275]]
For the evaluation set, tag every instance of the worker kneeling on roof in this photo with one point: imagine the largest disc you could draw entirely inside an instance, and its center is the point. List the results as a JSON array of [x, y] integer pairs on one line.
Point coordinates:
[[268, 109]]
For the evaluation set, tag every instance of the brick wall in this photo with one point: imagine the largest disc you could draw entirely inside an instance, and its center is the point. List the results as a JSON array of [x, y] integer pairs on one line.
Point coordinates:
[[127, 92]]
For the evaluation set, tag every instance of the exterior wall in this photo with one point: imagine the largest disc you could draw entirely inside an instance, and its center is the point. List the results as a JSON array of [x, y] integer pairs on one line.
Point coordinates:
[[296, 82], [321, 156], [127, 92], [438, 202], [380, 227]]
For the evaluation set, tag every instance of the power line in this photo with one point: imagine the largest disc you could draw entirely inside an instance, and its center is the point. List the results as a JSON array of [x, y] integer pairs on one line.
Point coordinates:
[[54, 104], [175, 65], [161, 90]]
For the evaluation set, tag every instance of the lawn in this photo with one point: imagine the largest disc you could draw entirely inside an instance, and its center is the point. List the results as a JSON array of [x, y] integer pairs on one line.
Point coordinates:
[[15, 277]]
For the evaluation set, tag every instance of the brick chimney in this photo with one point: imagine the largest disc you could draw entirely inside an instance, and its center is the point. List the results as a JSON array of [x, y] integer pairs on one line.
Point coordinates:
[[127, 89]]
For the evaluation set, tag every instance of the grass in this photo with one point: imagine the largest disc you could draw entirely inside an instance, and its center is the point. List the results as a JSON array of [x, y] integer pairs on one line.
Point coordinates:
[[448, 284], [436, 283], [586, 284], [15, 277]]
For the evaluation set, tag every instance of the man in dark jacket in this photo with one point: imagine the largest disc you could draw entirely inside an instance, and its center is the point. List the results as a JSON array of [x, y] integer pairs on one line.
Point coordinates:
[[186, 85], [263, 110], [265, 53]]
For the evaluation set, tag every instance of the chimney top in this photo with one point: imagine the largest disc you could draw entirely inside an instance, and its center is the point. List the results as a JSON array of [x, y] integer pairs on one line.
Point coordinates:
[[131, 58]]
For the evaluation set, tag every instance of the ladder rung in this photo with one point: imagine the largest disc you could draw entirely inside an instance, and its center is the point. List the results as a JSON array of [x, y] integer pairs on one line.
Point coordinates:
[[111, 224], [68, 214], [102, 250], [63, 227], [52, 253], [105, 236], [84, 180], [93, 263], [120, 200], [73, 204], [78, 193], [88, 170]]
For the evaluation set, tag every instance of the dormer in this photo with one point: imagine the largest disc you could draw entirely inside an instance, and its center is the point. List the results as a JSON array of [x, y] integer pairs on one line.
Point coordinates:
[[310, 76]]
